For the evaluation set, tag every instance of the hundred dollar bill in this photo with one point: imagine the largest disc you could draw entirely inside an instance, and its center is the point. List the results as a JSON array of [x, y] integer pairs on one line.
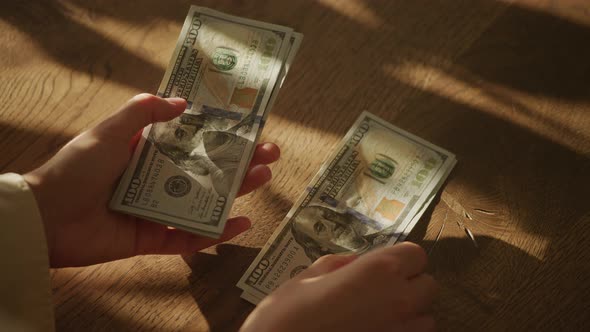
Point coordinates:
[[255, 299], [369, 193], [185, 173]]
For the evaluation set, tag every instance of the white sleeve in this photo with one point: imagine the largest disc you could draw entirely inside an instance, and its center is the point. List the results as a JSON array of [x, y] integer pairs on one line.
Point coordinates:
[[25, 289]]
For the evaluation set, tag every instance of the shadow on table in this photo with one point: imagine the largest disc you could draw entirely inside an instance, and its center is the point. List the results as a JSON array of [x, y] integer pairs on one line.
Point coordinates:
[[53, 27], [94, 318], [488, 41], [213, 285], [502, 287], [16, 141], [496, 280]]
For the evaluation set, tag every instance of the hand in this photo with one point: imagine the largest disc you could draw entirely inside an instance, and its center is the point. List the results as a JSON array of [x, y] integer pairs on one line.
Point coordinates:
[[384, 290], [74, 187]]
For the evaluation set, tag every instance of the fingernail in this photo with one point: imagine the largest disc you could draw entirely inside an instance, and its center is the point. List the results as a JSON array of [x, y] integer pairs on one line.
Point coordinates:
[[176, 101], [272, 147], [246, 224], [266, 173]]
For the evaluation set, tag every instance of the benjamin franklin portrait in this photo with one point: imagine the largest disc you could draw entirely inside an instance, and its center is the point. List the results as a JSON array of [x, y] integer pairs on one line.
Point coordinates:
[[201, 145], [323, 230]]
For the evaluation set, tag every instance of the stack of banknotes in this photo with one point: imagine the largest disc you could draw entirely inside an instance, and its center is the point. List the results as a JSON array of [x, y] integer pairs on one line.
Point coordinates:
[[369, 193], [187, 172]]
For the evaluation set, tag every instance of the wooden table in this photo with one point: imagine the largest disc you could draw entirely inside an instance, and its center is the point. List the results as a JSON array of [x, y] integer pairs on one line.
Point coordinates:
[[503, 84]]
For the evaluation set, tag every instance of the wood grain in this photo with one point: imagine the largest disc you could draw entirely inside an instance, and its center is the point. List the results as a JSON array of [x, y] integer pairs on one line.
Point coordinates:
[[503, 84]]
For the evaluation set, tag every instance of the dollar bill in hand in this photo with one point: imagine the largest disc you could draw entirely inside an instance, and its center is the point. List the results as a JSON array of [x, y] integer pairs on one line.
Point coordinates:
[[369, 193], [186, 173]]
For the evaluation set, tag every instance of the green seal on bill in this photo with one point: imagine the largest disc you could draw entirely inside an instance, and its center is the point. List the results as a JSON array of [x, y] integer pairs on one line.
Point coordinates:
[[383, 166], [224, 58]]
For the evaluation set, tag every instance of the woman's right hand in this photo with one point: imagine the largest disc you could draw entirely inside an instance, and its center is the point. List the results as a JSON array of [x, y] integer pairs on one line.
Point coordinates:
[[384, 290]]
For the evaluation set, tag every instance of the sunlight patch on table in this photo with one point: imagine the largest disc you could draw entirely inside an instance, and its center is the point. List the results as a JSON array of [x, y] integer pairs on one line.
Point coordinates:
[[526, 110], [356, 10]]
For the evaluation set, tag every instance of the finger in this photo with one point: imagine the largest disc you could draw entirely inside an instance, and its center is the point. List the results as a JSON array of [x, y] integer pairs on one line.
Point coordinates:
[[139, 112], [154, 238], [401, 261], [423, 323], [422, 290], [326, 264], [411, 259], [265, 153], [134, 141], [254, 178]]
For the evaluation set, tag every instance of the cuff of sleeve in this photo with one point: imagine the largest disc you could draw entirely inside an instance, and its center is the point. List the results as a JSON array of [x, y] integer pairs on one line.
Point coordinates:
[[25, 287]]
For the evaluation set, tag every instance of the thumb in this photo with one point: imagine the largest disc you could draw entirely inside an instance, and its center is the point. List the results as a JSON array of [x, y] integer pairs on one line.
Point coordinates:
[[138, 112], [326, 264]]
